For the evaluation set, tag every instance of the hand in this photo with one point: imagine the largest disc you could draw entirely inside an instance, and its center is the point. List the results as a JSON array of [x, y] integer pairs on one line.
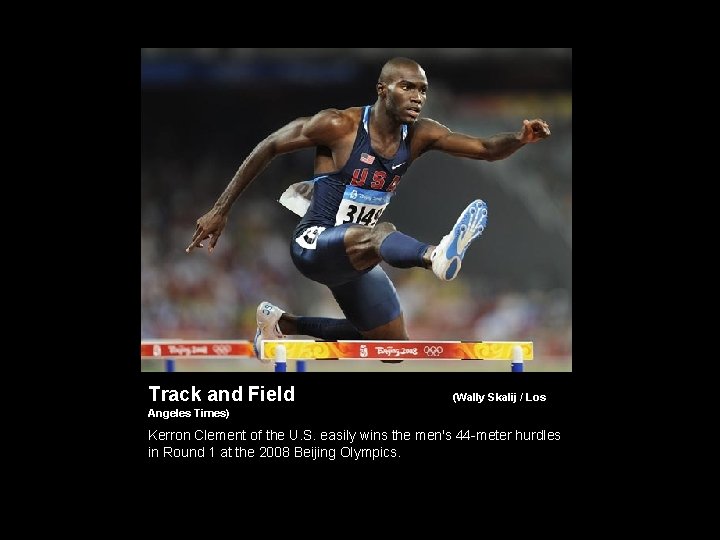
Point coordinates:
[[534, 130], [211, 226]]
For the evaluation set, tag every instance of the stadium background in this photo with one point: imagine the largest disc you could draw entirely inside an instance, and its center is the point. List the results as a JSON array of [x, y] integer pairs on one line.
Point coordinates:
[[204, 110]]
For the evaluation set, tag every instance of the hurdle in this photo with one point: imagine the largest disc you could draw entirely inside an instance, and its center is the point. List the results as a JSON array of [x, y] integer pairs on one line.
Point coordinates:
[[280, 351], [171, 349], [303, 350]]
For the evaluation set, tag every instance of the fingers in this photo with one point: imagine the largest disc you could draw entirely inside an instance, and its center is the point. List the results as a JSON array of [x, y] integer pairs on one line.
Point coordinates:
[[213, 241], [192, 246], [537, 129], [207, 229], [197, 239], [197, 233], [540, 131], [541, 127]]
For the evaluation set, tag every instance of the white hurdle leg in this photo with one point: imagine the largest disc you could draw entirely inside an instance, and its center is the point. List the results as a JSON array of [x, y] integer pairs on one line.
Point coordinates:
[[517, 359], [280, 358]]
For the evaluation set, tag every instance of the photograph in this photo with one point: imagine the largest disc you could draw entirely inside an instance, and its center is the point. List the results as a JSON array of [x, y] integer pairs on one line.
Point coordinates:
[[356, 210]]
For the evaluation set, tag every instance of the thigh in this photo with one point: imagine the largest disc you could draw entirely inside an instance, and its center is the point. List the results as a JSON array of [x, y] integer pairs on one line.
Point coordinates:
[[320, 254], [370, 302]]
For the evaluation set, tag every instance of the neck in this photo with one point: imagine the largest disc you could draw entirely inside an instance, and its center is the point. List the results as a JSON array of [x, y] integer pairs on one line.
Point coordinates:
[[382, 122]]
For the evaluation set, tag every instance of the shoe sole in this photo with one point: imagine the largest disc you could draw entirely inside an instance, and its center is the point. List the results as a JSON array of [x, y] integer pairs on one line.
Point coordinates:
[[255, 343], [477, 208], [258, 333]]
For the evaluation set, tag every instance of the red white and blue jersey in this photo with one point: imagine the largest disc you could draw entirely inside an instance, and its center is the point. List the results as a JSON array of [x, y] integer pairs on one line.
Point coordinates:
[[361, 190]]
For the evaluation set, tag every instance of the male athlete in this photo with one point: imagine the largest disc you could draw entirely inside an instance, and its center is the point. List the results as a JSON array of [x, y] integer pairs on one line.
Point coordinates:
[[361, 155]]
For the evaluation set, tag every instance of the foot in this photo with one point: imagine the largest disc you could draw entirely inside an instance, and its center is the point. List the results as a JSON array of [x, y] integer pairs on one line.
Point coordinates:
[[268, 317], [448, 255]]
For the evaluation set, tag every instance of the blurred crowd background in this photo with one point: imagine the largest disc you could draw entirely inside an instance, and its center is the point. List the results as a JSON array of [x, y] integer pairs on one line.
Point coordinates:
[[204, 110]]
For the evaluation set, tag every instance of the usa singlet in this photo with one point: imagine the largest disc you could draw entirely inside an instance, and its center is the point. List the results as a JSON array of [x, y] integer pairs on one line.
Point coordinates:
[[355, 195], [359, 192]]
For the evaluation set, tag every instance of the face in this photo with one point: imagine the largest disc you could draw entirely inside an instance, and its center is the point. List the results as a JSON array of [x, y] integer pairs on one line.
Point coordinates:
[[405, 95]]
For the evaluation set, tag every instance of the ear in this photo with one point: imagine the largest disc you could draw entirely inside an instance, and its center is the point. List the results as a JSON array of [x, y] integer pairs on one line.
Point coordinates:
[[380, 89]]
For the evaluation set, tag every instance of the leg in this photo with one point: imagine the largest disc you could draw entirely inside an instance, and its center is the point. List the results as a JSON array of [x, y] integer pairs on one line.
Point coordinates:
[[336, 255], [334, 329], [274, 323], [319, 327], [345, 259], [372, 305], [366, 247]]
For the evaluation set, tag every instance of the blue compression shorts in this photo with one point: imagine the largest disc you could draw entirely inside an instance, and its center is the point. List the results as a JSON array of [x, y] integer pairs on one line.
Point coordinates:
[[367, 297]]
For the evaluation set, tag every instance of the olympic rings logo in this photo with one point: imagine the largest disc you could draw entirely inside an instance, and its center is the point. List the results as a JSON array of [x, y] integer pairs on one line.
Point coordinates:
[[433, 350], [221, 350]]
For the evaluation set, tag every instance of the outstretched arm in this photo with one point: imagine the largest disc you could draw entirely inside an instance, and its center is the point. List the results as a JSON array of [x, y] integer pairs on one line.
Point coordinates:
[[298, 134], [435, 136]]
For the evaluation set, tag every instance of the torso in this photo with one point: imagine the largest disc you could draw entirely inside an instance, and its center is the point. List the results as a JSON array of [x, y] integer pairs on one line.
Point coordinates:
[[359, 191]]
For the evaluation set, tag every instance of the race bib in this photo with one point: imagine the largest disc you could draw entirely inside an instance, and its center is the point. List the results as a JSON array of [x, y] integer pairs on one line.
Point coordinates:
[[362, 206]]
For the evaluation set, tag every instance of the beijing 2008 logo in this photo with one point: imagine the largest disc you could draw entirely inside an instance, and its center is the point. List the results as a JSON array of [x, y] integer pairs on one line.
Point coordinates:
[[433, 350]]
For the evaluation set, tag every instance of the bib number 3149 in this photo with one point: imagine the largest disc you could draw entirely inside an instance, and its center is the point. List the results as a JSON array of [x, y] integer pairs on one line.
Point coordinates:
[[362, 206], [363, 215]]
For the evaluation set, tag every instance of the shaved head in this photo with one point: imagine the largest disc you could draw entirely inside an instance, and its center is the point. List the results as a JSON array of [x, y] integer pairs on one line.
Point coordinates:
[[392, 68], [401, 90]]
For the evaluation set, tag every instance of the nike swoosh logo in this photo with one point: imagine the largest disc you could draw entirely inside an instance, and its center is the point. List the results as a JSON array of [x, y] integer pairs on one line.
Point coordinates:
[[396, 166]]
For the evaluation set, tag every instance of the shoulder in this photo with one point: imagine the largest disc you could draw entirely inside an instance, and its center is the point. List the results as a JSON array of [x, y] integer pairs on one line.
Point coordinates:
[[339, 118], [424, 133], [427, 127], [335, 122]]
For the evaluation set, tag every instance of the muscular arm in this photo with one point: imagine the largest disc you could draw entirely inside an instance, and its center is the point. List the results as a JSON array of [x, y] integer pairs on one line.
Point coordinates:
[[432, 135], [298, 134], [324, 128]]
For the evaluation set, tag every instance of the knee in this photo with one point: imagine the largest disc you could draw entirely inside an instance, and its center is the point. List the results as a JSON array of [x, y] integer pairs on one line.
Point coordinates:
[[384, 228], [381, 232], [393, 331]]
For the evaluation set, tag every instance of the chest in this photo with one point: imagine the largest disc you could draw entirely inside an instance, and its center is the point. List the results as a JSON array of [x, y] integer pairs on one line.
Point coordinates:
[[385, 149]]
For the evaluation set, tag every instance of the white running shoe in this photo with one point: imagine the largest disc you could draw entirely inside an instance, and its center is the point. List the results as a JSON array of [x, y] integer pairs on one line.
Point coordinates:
[[267, 326], [448, 255]]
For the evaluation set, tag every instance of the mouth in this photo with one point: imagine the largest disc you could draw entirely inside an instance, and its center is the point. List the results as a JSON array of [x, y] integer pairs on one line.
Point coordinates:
[[413, 112]]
